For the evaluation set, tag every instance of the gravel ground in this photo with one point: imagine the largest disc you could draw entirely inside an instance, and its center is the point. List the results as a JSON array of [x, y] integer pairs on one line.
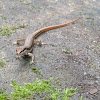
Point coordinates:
[[80, 68]]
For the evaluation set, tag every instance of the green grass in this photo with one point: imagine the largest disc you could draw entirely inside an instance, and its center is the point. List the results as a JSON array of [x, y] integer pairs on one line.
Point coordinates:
[[81, 98], [5, 30], [52, 14], [68, 51], [3, 17], [2, 64], [67, 93], [22, 26], [1, 7], [29, 90], [90, 18], [3, 96], [25, 3], [35, 70], [21, 0], [14, 28], [41, 88], [73, 23]]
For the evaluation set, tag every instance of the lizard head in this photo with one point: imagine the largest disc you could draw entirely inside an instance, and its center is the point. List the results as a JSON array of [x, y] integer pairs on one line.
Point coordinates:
[[19, 50]]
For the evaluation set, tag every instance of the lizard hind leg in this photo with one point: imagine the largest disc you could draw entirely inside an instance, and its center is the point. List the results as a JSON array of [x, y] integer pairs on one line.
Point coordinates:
[[37, 42], [19, 41]]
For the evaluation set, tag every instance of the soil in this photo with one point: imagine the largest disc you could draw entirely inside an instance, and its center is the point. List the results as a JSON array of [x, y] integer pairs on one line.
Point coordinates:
[[79, 69]]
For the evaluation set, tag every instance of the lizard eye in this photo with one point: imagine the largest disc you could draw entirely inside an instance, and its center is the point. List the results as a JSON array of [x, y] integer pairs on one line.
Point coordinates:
[[22, 50]]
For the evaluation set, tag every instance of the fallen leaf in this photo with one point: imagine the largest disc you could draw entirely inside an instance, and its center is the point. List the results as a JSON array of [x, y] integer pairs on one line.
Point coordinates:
[[92, 91]]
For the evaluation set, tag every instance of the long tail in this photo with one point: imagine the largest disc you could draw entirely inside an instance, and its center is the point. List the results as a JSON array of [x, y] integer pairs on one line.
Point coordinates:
[[38, 32]]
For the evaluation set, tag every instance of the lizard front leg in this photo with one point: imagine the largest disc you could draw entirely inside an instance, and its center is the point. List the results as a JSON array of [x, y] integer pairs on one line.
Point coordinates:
[[32, 55]]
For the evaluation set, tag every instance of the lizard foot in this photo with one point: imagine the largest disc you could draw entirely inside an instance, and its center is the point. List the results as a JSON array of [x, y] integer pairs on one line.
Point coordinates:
[[32, 62]]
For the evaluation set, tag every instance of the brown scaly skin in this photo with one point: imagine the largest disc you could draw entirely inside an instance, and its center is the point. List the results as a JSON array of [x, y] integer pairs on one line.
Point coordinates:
[[26, 49]]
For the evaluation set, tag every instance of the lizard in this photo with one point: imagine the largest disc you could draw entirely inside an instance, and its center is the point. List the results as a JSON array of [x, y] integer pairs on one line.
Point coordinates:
[[27, 48]]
